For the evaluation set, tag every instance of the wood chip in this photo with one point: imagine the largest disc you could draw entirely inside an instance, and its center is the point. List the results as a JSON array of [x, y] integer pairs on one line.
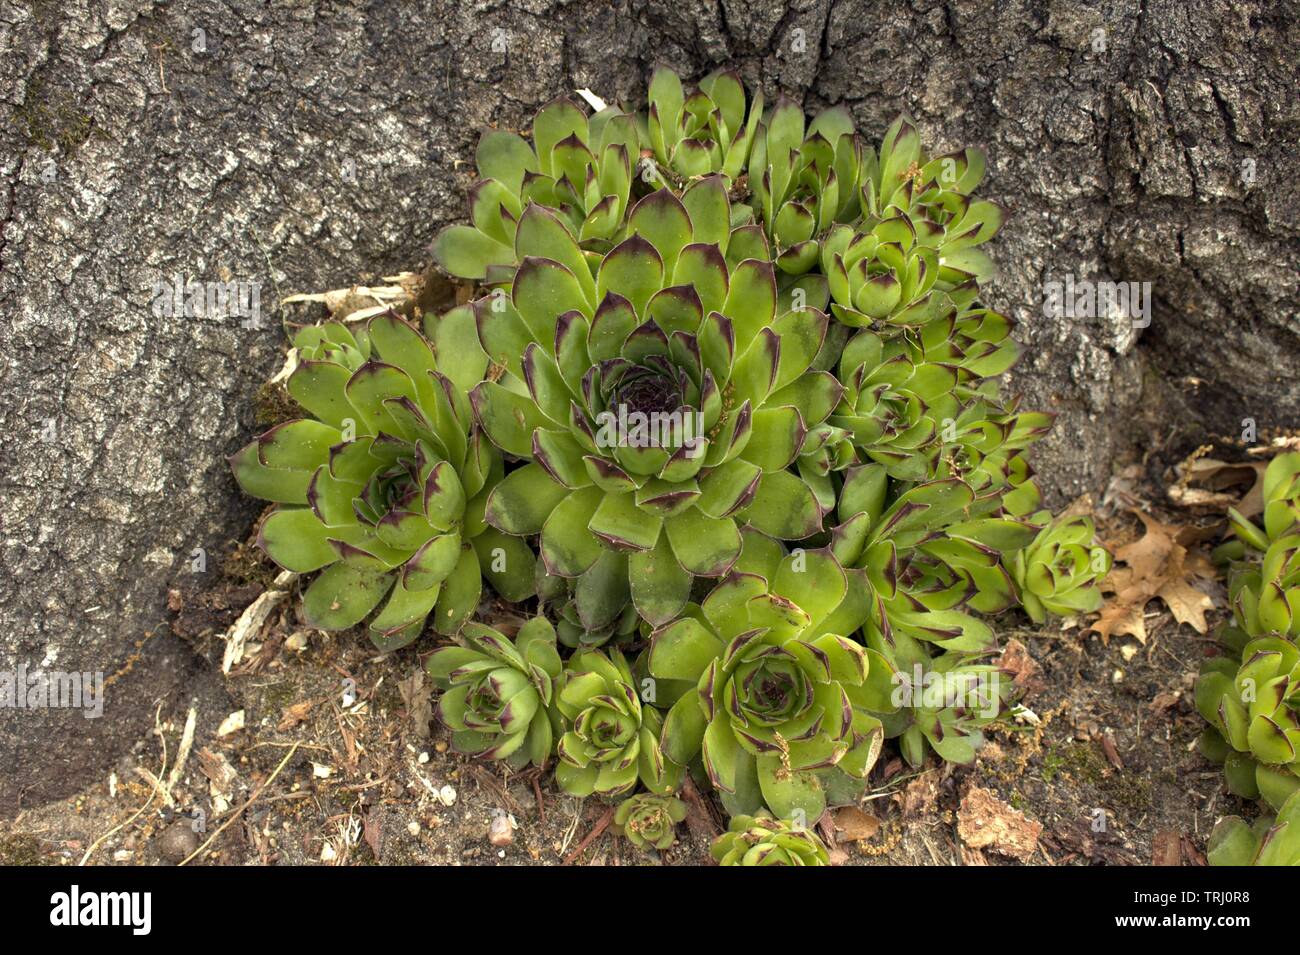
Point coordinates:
[[1166, 848], [1111, 750], [372, 830], [217, 768], [985, 822], [251, 620]]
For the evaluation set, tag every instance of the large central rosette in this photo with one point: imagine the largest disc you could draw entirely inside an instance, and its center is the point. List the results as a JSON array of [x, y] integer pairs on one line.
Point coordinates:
[[659, 398]]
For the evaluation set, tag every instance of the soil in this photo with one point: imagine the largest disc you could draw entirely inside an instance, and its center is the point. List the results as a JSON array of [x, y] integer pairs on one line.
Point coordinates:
[[340, 760]]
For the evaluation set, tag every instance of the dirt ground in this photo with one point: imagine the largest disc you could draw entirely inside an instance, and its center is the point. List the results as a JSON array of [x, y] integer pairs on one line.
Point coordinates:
[[331, 755]]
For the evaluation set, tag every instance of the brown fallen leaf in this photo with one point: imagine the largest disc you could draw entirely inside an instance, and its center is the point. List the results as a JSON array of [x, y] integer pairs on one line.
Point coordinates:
[[293, 715], [1191, 854], [700, 817], [1217, 485], [1186, 603], [854, 825], [985, 822], [1162, 565], [418, 697], [1165, 700], [1111, 750], [1021, 667], [1119, 619]]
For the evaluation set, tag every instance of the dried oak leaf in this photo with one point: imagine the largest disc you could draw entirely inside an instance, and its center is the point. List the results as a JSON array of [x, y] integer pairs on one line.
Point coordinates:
[[418, 698], [1161, 564]]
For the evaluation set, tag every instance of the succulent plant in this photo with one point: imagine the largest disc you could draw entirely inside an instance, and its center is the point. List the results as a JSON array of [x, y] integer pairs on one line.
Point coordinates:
[[762, 840], [1281, 511], [1264, 582], [1270, 841], [988, 455], [498, 693], [926, 557], [941, 702], [648, 820], [934, 193], [591, 610], [1058, 573], [803, 183], [905, 253], [1251, 698], [580, 168], [779, 711], [1265, 596], [895, 407], [381, 490], [1251, 704], [700, 332], [706, 132], [610, 738], [928, 562], [662, 408]]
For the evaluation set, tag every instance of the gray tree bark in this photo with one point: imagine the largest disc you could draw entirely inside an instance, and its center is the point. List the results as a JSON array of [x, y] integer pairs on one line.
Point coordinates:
[[304, 145]]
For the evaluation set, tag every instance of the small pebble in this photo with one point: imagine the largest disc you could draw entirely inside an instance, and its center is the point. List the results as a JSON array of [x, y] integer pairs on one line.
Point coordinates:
[[178, 841], [424, 758], [448, 795], [1117, 677], [231, 724], [502, 831], [413, 828]]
